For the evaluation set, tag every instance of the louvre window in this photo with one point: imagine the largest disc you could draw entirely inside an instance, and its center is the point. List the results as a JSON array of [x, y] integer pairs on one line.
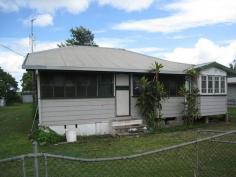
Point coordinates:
[[76, 85], [204, 84], [213, 84], [217, 84], [222, 84], [210, 84]]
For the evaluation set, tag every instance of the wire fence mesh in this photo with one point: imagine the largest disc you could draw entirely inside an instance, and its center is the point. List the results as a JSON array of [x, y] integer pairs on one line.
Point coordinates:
[[213, 156]]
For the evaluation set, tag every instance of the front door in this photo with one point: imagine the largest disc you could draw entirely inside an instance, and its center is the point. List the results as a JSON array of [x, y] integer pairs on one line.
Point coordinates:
[[122, 95]]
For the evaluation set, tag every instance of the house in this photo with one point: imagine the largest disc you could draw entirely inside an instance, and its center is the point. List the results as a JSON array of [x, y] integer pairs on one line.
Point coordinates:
[[94, 89], [232, 91]]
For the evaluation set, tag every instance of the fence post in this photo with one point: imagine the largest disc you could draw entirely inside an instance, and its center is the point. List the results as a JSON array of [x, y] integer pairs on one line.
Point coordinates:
[[197, 156], [46, 165], [23, 167], [36, 164]]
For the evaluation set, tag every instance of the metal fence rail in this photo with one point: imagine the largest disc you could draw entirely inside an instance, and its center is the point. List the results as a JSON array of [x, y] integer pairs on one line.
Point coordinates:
[[213, 156]]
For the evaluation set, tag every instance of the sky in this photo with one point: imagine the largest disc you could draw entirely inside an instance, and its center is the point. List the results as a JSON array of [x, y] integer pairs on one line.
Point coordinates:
[[188, 31]]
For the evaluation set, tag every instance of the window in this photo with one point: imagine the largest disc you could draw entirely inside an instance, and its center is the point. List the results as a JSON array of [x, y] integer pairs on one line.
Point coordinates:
[[172, 83], [70, 86], [222, 84], [210, 84], [105, 87], [59, 82], [137, 89], [136, 86], [213, 84], [76, 85], [204, 84], [217, 84], [46, 86]]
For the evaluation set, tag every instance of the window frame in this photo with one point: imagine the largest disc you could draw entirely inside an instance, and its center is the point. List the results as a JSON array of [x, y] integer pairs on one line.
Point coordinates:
[[213, 85], [46, 74], [179, 81], [206, 88]]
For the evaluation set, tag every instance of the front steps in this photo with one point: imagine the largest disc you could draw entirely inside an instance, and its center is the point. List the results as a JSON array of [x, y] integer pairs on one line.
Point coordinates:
[[128, 126]]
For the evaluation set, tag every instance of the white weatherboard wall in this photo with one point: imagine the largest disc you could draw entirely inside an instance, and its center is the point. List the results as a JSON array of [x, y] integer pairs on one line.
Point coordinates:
[[212, 105], [92, 116], [172, 107]]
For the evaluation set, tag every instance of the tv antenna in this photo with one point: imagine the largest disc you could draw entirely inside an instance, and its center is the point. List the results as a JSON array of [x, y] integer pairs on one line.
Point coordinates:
[[32, 34]]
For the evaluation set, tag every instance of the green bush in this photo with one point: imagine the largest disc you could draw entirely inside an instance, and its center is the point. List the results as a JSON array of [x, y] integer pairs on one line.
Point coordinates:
[[45, 135]]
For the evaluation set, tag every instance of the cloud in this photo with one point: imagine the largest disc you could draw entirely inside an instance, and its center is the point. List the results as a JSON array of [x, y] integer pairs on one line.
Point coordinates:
[[185, 14], [41, 20], [204, 51], [44, 20], [71, 6], [45, 6], [128, 5], [113, 42], [146, 50], [12, 62]]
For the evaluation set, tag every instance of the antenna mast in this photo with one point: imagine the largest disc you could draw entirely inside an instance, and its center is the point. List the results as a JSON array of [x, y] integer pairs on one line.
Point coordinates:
[[32, 34]]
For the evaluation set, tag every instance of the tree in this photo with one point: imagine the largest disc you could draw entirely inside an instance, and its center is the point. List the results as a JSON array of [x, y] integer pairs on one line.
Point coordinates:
[[150, 100], [233, 65], [79, 36], [8, 87], [26, 81]]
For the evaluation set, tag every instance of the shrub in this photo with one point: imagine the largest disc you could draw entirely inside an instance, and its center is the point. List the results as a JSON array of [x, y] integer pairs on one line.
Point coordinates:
[[45, 135], [150, 100]]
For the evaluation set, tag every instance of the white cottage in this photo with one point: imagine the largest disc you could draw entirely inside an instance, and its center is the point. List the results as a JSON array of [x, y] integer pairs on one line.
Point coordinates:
[[94, 89]]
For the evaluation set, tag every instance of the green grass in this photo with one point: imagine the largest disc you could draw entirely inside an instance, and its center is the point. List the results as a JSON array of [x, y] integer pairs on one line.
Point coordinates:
[[15, 123]]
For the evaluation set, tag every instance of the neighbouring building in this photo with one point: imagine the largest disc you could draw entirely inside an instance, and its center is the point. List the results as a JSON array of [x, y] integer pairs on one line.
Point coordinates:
[[232, 91], [2, 102], [27, 97]]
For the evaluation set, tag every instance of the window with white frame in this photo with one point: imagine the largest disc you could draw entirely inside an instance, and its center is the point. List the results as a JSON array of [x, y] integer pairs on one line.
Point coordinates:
[[217, 84], [210, 84], [204, 84], [213, 84], [222, 84]]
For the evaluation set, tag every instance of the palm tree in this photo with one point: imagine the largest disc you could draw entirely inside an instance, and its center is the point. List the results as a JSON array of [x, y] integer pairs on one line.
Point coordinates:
[[233, 65]]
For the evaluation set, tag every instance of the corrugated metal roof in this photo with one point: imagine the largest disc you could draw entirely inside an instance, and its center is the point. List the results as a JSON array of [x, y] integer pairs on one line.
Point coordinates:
[[98, 59], [202, 65]]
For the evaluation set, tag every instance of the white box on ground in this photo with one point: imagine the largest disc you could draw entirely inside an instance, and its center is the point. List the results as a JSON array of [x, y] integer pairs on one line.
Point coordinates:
[[71, 136]]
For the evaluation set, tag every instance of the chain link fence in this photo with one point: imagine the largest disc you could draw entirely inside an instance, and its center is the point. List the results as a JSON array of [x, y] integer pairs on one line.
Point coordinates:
[[212, 154]]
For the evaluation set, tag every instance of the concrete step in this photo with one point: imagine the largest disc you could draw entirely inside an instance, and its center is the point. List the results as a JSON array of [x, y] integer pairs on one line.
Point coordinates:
[[127, 122], [128, 127]]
